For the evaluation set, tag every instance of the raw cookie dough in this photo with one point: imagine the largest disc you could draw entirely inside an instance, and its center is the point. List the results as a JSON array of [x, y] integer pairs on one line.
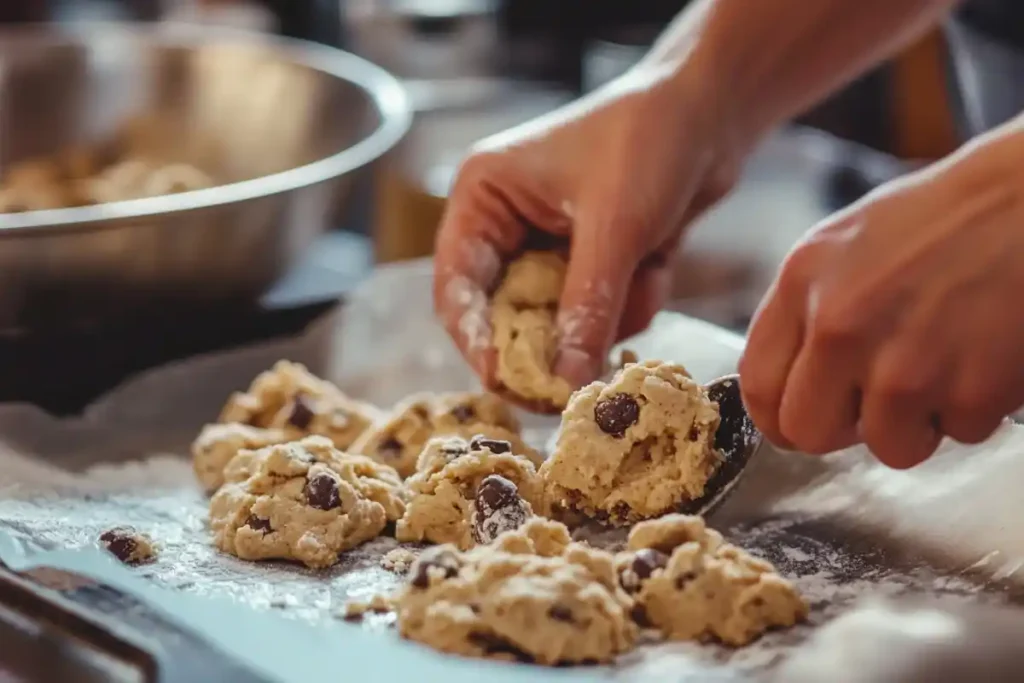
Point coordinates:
[[399, 439], [467, 493], [691, 585], [288, 397], [398, 560], [128, 545], [533, 596], [375, 481], [219, 443], [523, 311], [635, 448], [295, 505]]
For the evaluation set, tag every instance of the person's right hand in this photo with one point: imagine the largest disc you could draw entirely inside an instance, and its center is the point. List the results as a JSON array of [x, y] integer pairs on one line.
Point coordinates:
[[618, 175]]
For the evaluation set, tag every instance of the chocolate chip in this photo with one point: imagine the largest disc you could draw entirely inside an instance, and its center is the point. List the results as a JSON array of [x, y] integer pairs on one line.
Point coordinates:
[[621, 510], [617, 414], [639, 614], [496, 446], [390, 448], [454, 449], [495, 645], [259, 524], [120, 542], [442, 560], [322, 492], [498, 508], [463, 413], [684, 579], [561, 613], [302, 413], [646, 561], [693, 434]]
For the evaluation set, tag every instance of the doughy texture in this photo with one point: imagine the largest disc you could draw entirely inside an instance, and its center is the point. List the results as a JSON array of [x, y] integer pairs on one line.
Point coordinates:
[[504, 601], [398, 440], [219, 443], [129, 545], [293, 506], [634, 448], [467, 493], [288, 397], [523, 311], [375, 481], [691, 585]]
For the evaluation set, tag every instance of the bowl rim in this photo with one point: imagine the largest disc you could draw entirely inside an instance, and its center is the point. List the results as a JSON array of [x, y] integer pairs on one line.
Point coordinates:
[[385, 91]]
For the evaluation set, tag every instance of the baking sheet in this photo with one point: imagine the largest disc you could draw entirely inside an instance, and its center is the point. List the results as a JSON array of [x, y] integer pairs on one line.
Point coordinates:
[[842, 527]]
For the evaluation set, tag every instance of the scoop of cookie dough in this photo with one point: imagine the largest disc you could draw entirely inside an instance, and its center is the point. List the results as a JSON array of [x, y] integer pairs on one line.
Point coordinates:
[[523, 311], [468, 492], [691, 585], [293, 506], [290, 398], [399, 439], [634, 448], [376, 481], [505, 602], [217, 444]]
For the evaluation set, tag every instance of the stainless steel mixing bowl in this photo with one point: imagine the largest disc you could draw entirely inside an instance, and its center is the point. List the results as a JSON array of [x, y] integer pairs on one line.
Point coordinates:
[[282, 124]]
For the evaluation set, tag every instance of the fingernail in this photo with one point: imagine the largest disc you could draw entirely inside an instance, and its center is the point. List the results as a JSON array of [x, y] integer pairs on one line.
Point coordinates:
[[576, 367]]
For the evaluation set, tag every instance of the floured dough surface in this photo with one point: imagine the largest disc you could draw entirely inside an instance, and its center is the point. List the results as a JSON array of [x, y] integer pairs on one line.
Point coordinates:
[[690, 585], [399, 437], [468, 492], [523, 311], [635, 448], [217, 444], [532, 596], [296, 506], [291, 399]]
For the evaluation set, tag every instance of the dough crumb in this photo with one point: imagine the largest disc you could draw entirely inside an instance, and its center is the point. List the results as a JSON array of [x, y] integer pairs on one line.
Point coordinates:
[[129, 545], [355, 610], [398, 560]]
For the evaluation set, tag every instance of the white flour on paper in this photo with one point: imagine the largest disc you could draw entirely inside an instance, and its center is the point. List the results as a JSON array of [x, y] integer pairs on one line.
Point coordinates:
[[841, 528]]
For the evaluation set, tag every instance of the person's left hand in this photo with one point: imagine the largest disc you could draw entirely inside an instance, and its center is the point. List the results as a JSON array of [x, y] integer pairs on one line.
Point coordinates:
[[901, 319]]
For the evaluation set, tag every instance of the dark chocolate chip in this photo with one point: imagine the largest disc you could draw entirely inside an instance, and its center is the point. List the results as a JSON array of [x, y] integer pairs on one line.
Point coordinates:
[[561, 613], [390, 448], [639, 614], [495, 645], [454, 449], [322, 492], [302, 413], [621, 510], [259, 524], [120, 542], [693, 434], [617, 414], [441, 559], [496, 446], [463, 413], [498, 508], [646, 561]]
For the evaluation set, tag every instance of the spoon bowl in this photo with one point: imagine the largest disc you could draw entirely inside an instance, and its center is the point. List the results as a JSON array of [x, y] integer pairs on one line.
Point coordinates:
[[737, 439]]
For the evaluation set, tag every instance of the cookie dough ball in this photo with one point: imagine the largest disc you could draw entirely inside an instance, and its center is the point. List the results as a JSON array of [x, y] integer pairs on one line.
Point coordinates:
[[691, 585], [635, 448], [128, 545], [467, 493], [560, 608], [294, 507], [290, 398], [523, 311], [399, 439], [217, 444]]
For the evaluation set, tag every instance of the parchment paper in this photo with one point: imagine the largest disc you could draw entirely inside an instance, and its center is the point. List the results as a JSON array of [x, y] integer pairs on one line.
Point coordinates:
[[842, 527]]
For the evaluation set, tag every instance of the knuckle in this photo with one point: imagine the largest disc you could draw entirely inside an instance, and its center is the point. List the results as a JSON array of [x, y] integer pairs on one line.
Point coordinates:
[[794, 274], [832, 321]]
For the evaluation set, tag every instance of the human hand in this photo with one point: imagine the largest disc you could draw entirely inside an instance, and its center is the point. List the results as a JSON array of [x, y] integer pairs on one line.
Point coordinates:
[[901, 319], [617, 176]]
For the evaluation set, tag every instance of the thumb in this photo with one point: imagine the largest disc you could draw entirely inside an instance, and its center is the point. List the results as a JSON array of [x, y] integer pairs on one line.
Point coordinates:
[[596, 286]]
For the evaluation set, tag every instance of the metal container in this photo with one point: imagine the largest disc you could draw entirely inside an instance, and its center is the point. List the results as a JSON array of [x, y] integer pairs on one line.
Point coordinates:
[[282, 125]]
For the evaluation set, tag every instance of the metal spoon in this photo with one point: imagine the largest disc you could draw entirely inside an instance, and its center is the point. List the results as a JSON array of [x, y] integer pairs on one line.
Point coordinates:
[[737, 439]]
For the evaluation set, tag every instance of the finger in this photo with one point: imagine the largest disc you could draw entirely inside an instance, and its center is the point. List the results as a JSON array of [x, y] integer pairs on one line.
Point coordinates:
[[476, 232], [898, 420], [773, 343], [820, 403], [597, 282], [647, 296]]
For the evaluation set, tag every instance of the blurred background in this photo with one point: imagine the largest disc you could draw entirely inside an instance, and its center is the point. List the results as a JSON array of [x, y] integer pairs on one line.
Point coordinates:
[[468, 68]]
